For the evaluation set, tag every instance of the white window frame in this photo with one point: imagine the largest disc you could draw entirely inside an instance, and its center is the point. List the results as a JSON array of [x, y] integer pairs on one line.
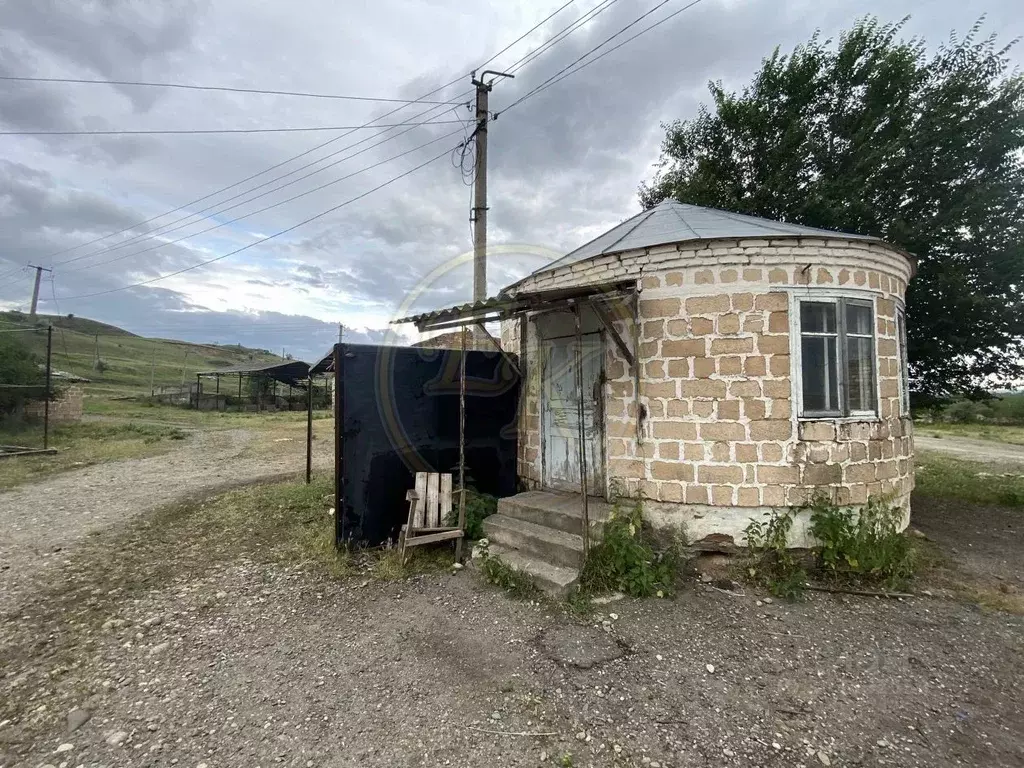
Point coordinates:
[[796, 351], [903, 359]]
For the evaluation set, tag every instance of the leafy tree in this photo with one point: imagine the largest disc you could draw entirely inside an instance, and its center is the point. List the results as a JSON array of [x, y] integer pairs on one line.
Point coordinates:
[[877, 136], [20, 374]]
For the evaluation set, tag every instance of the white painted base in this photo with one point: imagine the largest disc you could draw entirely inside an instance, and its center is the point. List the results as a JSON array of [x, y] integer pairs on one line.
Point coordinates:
[[699, 521]]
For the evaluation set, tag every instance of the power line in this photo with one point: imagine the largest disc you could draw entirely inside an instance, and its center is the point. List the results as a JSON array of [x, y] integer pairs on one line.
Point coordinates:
[[527, 33], [461, 158], [204, 212], [555, 77], [262, 240], [588, 16], [189, 131], [267, 208], [168, 228], [274, 167], [616, 47], [229, 89], [314, 149], [238, 183]]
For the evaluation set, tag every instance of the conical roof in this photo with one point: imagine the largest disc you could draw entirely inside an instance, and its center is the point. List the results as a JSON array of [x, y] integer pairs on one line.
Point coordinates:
[[675, 222]]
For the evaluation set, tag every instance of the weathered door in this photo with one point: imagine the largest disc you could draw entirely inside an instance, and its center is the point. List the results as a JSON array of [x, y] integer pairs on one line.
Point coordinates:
[[560, 435]]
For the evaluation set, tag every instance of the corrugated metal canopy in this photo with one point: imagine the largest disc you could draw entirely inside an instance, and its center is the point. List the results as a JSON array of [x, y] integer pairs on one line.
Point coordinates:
[[675, 222], [509, 304], [286, 371], [324, 365]]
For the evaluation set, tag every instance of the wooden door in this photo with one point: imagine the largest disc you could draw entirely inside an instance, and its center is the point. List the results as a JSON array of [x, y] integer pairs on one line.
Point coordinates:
[[560, 414]]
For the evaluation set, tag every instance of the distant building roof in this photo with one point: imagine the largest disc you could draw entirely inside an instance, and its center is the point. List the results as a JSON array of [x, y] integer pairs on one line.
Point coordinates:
[[475, 339], [675, 222]]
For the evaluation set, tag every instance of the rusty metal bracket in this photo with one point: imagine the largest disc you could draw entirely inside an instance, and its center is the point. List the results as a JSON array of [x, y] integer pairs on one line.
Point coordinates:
[[606, 321]]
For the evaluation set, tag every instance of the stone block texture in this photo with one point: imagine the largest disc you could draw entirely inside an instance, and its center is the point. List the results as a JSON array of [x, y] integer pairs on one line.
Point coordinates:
[[65, 409], [714, 423]]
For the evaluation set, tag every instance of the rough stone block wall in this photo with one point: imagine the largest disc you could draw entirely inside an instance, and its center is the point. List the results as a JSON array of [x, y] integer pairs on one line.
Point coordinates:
[[64, 410], [529, 460], [718, 422]]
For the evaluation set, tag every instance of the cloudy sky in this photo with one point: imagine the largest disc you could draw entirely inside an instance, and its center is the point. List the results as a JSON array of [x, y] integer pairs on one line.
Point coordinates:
[[565, 163]]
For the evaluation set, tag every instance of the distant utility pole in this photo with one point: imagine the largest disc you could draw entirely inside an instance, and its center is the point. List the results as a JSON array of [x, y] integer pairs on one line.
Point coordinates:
[[35, 289], [479, 213], [341, 332]]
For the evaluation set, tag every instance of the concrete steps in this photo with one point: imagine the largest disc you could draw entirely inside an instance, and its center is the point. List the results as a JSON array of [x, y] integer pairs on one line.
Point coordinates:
[[540, 533], [556, 581], [561, 511]]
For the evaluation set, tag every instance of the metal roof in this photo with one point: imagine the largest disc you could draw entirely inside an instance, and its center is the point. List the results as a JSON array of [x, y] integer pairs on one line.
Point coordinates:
[[296, 366], [675, 222], [291, 372]]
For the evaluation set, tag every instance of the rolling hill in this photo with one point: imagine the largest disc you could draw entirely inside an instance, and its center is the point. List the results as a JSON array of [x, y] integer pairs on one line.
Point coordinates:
[[128, 362]]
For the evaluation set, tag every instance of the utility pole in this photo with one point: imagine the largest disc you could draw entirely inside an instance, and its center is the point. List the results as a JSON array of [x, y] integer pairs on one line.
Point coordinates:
[[341, 332], [35, 289], [479, 213]]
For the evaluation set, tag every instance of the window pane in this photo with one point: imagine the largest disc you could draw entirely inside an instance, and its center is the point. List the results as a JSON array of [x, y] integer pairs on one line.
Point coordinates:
[[818, 360], [860, 380], [858, 319], [901, 325], [817, 317]]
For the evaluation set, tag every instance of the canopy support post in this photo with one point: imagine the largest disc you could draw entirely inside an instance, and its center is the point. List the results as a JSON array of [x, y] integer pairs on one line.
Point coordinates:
[[462, 447], [582, 432]]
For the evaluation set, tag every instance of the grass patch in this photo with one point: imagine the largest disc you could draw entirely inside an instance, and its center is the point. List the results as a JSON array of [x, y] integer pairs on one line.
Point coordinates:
[[189, 417], [998, 433], [80, 445], [518, 584], [953, 478]]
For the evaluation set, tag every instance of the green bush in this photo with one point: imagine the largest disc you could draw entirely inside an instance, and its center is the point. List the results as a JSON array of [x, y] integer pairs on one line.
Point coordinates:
[[865, 546], [860, 547], [478, 506], [21, 371], [626, 561], [1008, 408], [967, 412], [772, 562]]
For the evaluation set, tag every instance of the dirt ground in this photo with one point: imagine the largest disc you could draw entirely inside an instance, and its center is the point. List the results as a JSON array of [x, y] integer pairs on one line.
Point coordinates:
[[198, 652], [971, 449], [41, 522]]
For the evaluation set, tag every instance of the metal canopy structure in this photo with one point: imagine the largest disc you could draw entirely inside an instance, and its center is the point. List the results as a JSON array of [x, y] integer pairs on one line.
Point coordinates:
[[511, 304], [294, 373], [505, 306]]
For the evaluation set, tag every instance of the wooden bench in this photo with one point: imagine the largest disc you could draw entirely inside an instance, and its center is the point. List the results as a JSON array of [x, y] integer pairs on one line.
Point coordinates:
[[430, 505]]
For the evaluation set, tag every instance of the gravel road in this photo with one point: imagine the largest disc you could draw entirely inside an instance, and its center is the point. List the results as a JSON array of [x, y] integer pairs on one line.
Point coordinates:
[[41, 522], [968, 448]]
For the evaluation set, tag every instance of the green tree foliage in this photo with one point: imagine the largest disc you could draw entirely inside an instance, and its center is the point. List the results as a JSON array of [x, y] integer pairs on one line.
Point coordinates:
[[877, 136], [19, 374]]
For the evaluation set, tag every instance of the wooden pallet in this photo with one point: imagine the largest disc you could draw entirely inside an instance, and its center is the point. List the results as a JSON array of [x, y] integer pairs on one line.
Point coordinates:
[[430, 505]]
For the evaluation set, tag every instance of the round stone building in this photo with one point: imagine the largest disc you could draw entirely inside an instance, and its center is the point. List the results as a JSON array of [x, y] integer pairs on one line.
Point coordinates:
[[728, 365]]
